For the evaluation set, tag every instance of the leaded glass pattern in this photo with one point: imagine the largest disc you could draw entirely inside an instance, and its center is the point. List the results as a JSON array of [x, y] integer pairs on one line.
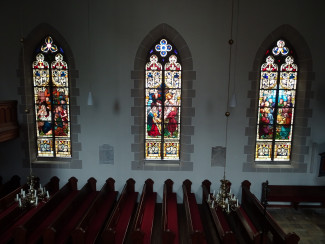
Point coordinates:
[[163, 102], [51, 99], [276, 104]]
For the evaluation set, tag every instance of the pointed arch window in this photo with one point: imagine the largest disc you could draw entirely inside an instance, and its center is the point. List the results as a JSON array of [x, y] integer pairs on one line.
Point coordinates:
[[276, 104], [163, 83], [51, 100]]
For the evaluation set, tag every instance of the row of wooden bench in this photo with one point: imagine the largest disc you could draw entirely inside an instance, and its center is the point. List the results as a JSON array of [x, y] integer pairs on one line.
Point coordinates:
[[250, 223], [87, 215]]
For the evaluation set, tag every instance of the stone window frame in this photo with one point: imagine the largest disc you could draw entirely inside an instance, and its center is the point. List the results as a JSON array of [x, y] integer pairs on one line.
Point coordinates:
[[25, 91], [303, 112], [187, 110]]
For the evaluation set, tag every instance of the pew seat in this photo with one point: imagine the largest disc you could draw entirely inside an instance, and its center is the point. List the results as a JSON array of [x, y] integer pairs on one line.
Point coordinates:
[[170, 233], [143, 222], [193, 219]]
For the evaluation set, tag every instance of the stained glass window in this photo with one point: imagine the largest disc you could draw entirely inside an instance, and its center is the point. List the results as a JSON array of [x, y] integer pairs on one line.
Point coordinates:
[[163, 79], [276, 104], [51, 99]]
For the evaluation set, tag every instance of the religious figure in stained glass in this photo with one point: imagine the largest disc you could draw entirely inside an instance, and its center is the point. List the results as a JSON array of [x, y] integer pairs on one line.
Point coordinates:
[[51, 98], [162, 103], [277, 95]]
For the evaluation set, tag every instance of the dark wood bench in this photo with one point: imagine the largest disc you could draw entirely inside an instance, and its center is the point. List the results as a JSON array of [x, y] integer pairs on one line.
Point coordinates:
[[17, 216], [225, 233], [32, 230], [170, 233], [144, 217], [64, 223], [118, 223], [10, 199], [193, 219], [89, 227], [262, 218], [296, 195], [250, 232]]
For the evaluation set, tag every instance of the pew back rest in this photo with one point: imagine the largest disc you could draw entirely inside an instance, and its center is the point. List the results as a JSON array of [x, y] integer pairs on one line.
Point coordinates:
[[53, 202], [295, 194], [261, 217], [9, 199], [69, 210], [113, 220], [107, 189]]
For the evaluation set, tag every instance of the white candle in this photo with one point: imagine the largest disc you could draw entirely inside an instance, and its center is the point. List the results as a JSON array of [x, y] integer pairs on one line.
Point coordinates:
[[209, 198], [228, 207], [214, 192], [35, 192], [17, 197], [19, 202], [36, 201], [40, 186], [237, 202], [212, 205], [24, 194], [47, 194], [21, 191]]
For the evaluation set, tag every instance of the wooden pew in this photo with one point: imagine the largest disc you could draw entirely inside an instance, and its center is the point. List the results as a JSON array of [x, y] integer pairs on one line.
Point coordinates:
[[225, 233], [59, 231], [52, 186], [294, 194], [90, 225], [170, 233], [12, 212], [144, 217], [193, 219], [32, 230], [250, 232], [261, 217], [9, 200], [17, 216], [117, 225], [10, 186]]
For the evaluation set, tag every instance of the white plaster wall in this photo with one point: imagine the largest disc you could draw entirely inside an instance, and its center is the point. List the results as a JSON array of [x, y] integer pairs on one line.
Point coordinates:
[[104, 55]]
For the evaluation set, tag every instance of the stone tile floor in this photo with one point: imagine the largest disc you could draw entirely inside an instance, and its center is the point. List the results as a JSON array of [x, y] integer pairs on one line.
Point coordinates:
[[307, 223]]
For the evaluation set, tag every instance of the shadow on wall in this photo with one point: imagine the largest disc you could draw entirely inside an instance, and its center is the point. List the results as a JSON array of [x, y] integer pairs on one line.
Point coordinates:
[[319, 161]]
